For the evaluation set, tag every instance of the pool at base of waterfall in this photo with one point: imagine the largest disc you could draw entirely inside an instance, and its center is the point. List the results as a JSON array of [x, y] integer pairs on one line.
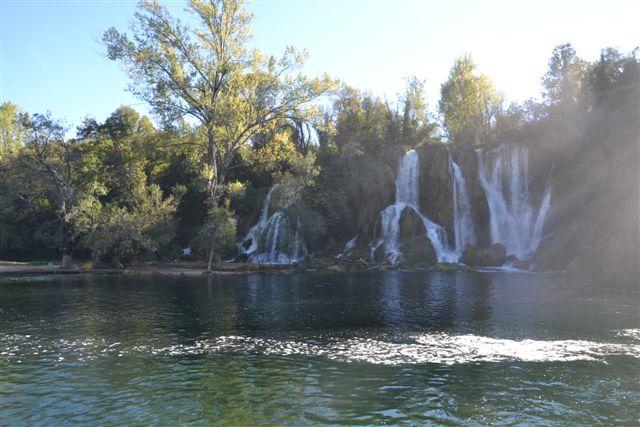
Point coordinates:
[[371, 347]]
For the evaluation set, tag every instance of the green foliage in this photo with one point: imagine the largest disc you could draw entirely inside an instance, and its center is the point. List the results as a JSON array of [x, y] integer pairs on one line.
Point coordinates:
[[416, 125], [270, 152], [565, 80], [121, 235], [207, 71], [123, 191], [217, 236], [52, 163], [362, 123], [468, 103], [12, 132], [613, 81], [291, 183]]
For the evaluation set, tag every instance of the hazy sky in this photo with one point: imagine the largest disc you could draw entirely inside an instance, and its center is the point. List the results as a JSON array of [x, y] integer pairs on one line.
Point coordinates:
[[52, 59]]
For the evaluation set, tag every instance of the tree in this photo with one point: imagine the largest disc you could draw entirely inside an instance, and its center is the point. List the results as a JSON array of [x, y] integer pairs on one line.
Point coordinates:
[[217, 234], [208, 73], [564, 81], [122, 234], [468, 102], [12, 133], [362, 123], [121, 150], [127, 216], [613, 79], [415, 116], [56, 162]]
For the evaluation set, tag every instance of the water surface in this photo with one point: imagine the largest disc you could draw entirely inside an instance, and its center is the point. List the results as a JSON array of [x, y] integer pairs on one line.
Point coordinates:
[[353, 348]]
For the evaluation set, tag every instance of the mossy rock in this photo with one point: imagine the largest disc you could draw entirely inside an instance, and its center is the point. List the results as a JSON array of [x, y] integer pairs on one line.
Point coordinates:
[[493, 256], [410, 224], [336, 268], [449, 267], [413, 243], [436, 187], [417, 250], [379, 255]]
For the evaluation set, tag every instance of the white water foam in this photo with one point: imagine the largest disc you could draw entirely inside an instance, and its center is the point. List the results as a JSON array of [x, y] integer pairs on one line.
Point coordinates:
[[273, 239], [407, 191], [630, 333], [439, 348], [463, 225], [504, 176]]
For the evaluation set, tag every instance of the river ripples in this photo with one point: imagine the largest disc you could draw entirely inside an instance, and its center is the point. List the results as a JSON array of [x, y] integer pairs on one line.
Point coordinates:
[[363, 348]]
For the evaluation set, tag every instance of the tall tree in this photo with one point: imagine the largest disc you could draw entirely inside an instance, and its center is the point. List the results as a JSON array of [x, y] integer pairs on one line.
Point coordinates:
[[564, 81], [613, 78], [415, 116], [12, 132], [468, 102], [55, 164], [207, 72]]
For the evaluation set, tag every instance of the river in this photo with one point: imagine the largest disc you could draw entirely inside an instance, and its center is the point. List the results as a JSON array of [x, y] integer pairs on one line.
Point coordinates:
[[397, 347]]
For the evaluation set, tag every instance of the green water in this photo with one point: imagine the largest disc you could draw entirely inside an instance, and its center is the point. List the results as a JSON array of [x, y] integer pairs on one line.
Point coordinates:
[[359, 348]]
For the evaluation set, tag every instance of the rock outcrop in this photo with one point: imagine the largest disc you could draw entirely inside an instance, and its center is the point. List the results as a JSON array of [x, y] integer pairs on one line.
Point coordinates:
[[492, 256]]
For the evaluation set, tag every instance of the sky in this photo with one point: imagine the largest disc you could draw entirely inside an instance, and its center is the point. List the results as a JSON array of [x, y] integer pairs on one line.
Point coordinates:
[[51, 58]]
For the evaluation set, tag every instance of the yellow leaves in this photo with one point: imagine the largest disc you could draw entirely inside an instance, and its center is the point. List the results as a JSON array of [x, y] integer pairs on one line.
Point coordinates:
[[236, 189], [468, 101], [279, 149], [208, 71], [207, 172]]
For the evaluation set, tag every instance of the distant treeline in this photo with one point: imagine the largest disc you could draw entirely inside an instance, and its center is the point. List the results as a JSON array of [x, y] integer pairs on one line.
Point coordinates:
[[232, 122]]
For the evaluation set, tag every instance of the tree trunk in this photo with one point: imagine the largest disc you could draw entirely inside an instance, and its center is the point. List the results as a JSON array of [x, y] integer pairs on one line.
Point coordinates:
[[210, 262], [213, 164], [220, 184], [67, 260]]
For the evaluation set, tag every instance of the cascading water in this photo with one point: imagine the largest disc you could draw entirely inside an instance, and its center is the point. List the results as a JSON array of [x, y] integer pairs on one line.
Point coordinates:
[[407, 180], [504, 176], [407, 187], [259, 226], [272, 240], [348, 247], [463, 226]]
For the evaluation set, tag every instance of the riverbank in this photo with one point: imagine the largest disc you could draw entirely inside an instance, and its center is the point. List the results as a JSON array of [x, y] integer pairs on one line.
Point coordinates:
[[182, 268], [198, 268]]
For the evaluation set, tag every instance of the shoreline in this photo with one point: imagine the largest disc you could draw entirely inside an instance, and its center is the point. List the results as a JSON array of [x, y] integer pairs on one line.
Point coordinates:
[[10, 268], [198, 269]]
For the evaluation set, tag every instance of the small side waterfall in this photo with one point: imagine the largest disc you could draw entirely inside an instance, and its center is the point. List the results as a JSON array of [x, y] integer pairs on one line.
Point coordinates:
[[542, 214], [407, 187], [348, 247], [407, 180], [256, 230], [504, 176], [272, 240], [463, 226]]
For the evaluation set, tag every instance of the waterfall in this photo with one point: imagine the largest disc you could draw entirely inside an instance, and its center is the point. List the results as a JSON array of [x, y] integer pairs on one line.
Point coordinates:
[[255, 231], [463, 226], [504, 176], [407, 189], [272, 239], [407, 180], [542, 213], [348, 247]]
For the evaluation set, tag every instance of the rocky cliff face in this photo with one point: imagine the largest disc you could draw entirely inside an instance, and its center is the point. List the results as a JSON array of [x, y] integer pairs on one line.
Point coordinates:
[[370, 196], [436, 188], [590, 222], [594, 225], [417, 212], [467, 159], [415, 247]]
